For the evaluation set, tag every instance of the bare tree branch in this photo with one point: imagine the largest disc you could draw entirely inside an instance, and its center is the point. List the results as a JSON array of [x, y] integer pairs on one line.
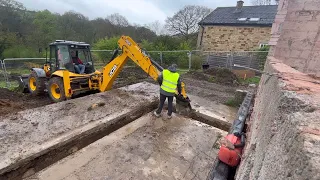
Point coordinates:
[[118, 20], [185, 21], [156, 27]]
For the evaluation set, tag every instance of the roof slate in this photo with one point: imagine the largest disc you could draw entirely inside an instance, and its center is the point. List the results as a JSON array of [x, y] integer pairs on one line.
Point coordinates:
[[229, 16]]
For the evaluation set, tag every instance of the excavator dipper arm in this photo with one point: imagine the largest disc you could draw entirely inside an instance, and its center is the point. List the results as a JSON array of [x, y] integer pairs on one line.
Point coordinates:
[[131, 50]]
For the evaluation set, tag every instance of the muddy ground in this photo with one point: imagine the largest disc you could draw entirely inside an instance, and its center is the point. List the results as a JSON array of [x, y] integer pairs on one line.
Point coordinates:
[[148, 148], [29, 134], [212, 85], [11, 102]]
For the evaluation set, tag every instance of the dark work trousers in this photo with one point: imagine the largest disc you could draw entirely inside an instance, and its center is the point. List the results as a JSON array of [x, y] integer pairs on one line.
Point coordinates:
[[162, 100]]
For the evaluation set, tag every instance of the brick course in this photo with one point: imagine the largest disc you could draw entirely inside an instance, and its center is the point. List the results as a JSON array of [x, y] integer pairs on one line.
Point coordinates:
[[300, 34]]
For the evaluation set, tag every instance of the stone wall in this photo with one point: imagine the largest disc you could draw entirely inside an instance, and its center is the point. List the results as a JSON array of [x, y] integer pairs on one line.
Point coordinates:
[[233, 38], [284, 135], [299, 29]]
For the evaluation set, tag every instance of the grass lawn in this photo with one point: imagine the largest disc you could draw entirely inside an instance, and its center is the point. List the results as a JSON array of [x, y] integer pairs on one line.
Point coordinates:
[[253, 80], [182, 71], [19, 71], [13, 85]]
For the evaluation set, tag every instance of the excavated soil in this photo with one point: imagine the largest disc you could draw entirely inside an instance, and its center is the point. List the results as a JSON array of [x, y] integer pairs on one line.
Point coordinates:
[[131, 75], [11, 102], [213, 85], [215, 75]]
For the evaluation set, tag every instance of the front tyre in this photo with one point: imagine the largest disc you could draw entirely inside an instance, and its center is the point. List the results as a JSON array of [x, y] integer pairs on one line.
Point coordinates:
[[36, 85], [56, 89]]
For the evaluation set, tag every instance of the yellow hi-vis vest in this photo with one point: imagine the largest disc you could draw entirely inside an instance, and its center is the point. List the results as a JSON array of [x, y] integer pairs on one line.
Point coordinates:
[[170, 81]]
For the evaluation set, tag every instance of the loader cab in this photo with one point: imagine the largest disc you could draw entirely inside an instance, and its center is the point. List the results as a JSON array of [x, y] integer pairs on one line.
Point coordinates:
[[61, 59]]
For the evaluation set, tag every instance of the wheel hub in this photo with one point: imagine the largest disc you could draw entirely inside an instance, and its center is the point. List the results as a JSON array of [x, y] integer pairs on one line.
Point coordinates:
[[55, 91], [32, 83]]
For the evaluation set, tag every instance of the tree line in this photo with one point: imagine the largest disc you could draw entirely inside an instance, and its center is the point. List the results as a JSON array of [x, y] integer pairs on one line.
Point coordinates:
[[23, 32]]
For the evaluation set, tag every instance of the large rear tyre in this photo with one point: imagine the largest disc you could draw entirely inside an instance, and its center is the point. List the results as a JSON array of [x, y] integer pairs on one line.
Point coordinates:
[[36, 85], [56, 89]]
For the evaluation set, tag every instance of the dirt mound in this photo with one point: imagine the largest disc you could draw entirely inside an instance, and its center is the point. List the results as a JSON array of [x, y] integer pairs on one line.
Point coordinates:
[[196, 75], [131, 75], [214, 75], [222, 75], [133, 71], [7, 94], [11, 101]]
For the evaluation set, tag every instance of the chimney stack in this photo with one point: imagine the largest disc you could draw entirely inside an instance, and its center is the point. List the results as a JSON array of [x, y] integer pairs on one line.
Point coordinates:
[[239, 4]]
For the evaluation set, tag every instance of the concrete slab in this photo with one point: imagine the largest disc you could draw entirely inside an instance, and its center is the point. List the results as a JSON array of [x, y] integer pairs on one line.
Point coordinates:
[[215, 110], [213, 113], [147, 148], [30, 137], [29, 134]]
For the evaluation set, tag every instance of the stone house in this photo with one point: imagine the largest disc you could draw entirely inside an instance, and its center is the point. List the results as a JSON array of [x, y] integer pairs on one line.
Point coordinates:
[[238, 28]]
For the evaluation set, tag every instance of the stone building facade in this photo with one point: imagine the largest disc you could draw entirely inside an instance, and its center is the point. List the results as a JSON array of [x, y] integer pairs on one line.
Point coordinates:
[[233, 38], [239, 28]]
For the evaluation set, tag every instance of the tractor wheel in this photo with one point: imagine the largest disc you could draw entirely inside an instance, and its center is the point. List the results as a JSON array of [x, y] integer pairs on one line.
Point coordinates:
[[36, 85], [56, 89]]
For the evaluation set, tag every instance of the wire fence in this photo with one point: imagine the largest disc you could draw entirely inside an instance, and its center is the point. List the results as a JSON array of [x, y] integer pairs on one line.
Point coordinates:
[[251, 59], [186, 61], [164, 58], [12, 68], [3, 78]]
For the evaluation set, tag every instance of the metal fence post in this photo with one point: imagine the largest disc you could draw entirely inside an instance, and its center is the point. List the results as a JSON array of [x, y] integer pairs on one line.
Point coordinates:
[[161, 58], [190, 59], [231, 61], [251, 57], [5, 73], [228, 59], [1, 68]]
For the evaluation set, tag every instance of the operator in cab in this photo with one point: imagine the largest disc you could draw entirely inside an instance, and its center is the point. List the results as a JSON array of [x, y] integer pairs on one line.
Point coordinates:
[[78, 65], [169, 81]]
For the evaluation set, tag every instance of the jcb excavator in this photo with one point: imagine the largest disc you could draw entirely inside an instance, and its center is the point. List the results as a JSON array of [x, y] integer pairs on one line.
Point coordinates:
[[60, 78]]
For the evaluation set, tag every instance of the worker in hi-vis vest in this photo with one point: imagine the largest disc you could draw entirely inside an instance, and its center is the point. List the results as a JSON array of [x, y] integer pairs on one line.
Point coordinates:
[[169, 81]]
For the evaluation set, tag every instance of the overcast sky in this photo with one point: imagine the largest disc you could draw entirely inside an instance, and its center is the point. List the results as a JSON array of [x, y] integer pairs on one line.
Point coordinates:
[[136, 11]]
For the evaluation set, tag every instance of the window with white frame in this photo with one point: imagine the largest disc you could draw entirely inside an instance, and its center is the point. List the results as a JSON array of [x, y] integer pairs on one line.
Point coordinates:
[[242, 19], [261, 45]]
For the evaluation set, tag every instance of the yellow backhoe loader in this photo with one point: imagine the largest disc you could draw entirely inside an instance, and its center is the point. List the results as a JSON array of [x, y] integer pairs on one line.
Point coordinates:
[[60, 76]]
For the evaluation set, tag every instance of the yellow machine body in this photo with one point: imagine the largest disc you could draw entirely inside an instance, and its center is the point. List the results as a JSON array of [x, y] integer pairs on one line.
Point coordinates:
[[102, 81]]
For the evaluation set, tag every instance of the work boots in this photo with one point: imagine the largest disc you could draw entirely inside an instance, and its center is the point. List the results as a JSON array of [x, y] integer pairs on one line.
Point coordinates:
[[156, 114], [159, 115]]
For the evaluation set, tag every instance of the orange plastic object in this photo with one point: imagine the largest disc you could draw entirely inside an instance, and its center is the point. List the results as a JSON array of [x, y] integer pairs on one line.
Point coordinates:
[[230, 155]]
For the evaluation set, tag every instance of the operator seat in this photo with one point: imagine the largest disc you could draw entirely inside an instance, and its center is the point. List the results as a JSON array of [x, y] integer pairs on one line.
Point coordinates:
[[70, 67]]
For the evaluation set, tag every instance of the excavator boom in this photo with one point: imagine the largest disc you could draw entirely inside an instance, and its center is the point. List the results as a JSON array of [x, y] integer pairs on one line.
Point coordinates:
[[131, 50]]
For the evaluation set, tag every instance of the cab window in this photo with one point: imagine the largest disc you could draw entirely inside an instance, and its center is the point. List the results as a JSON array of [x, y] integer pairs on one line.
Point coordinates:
[[63, 56], [83, 55]]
